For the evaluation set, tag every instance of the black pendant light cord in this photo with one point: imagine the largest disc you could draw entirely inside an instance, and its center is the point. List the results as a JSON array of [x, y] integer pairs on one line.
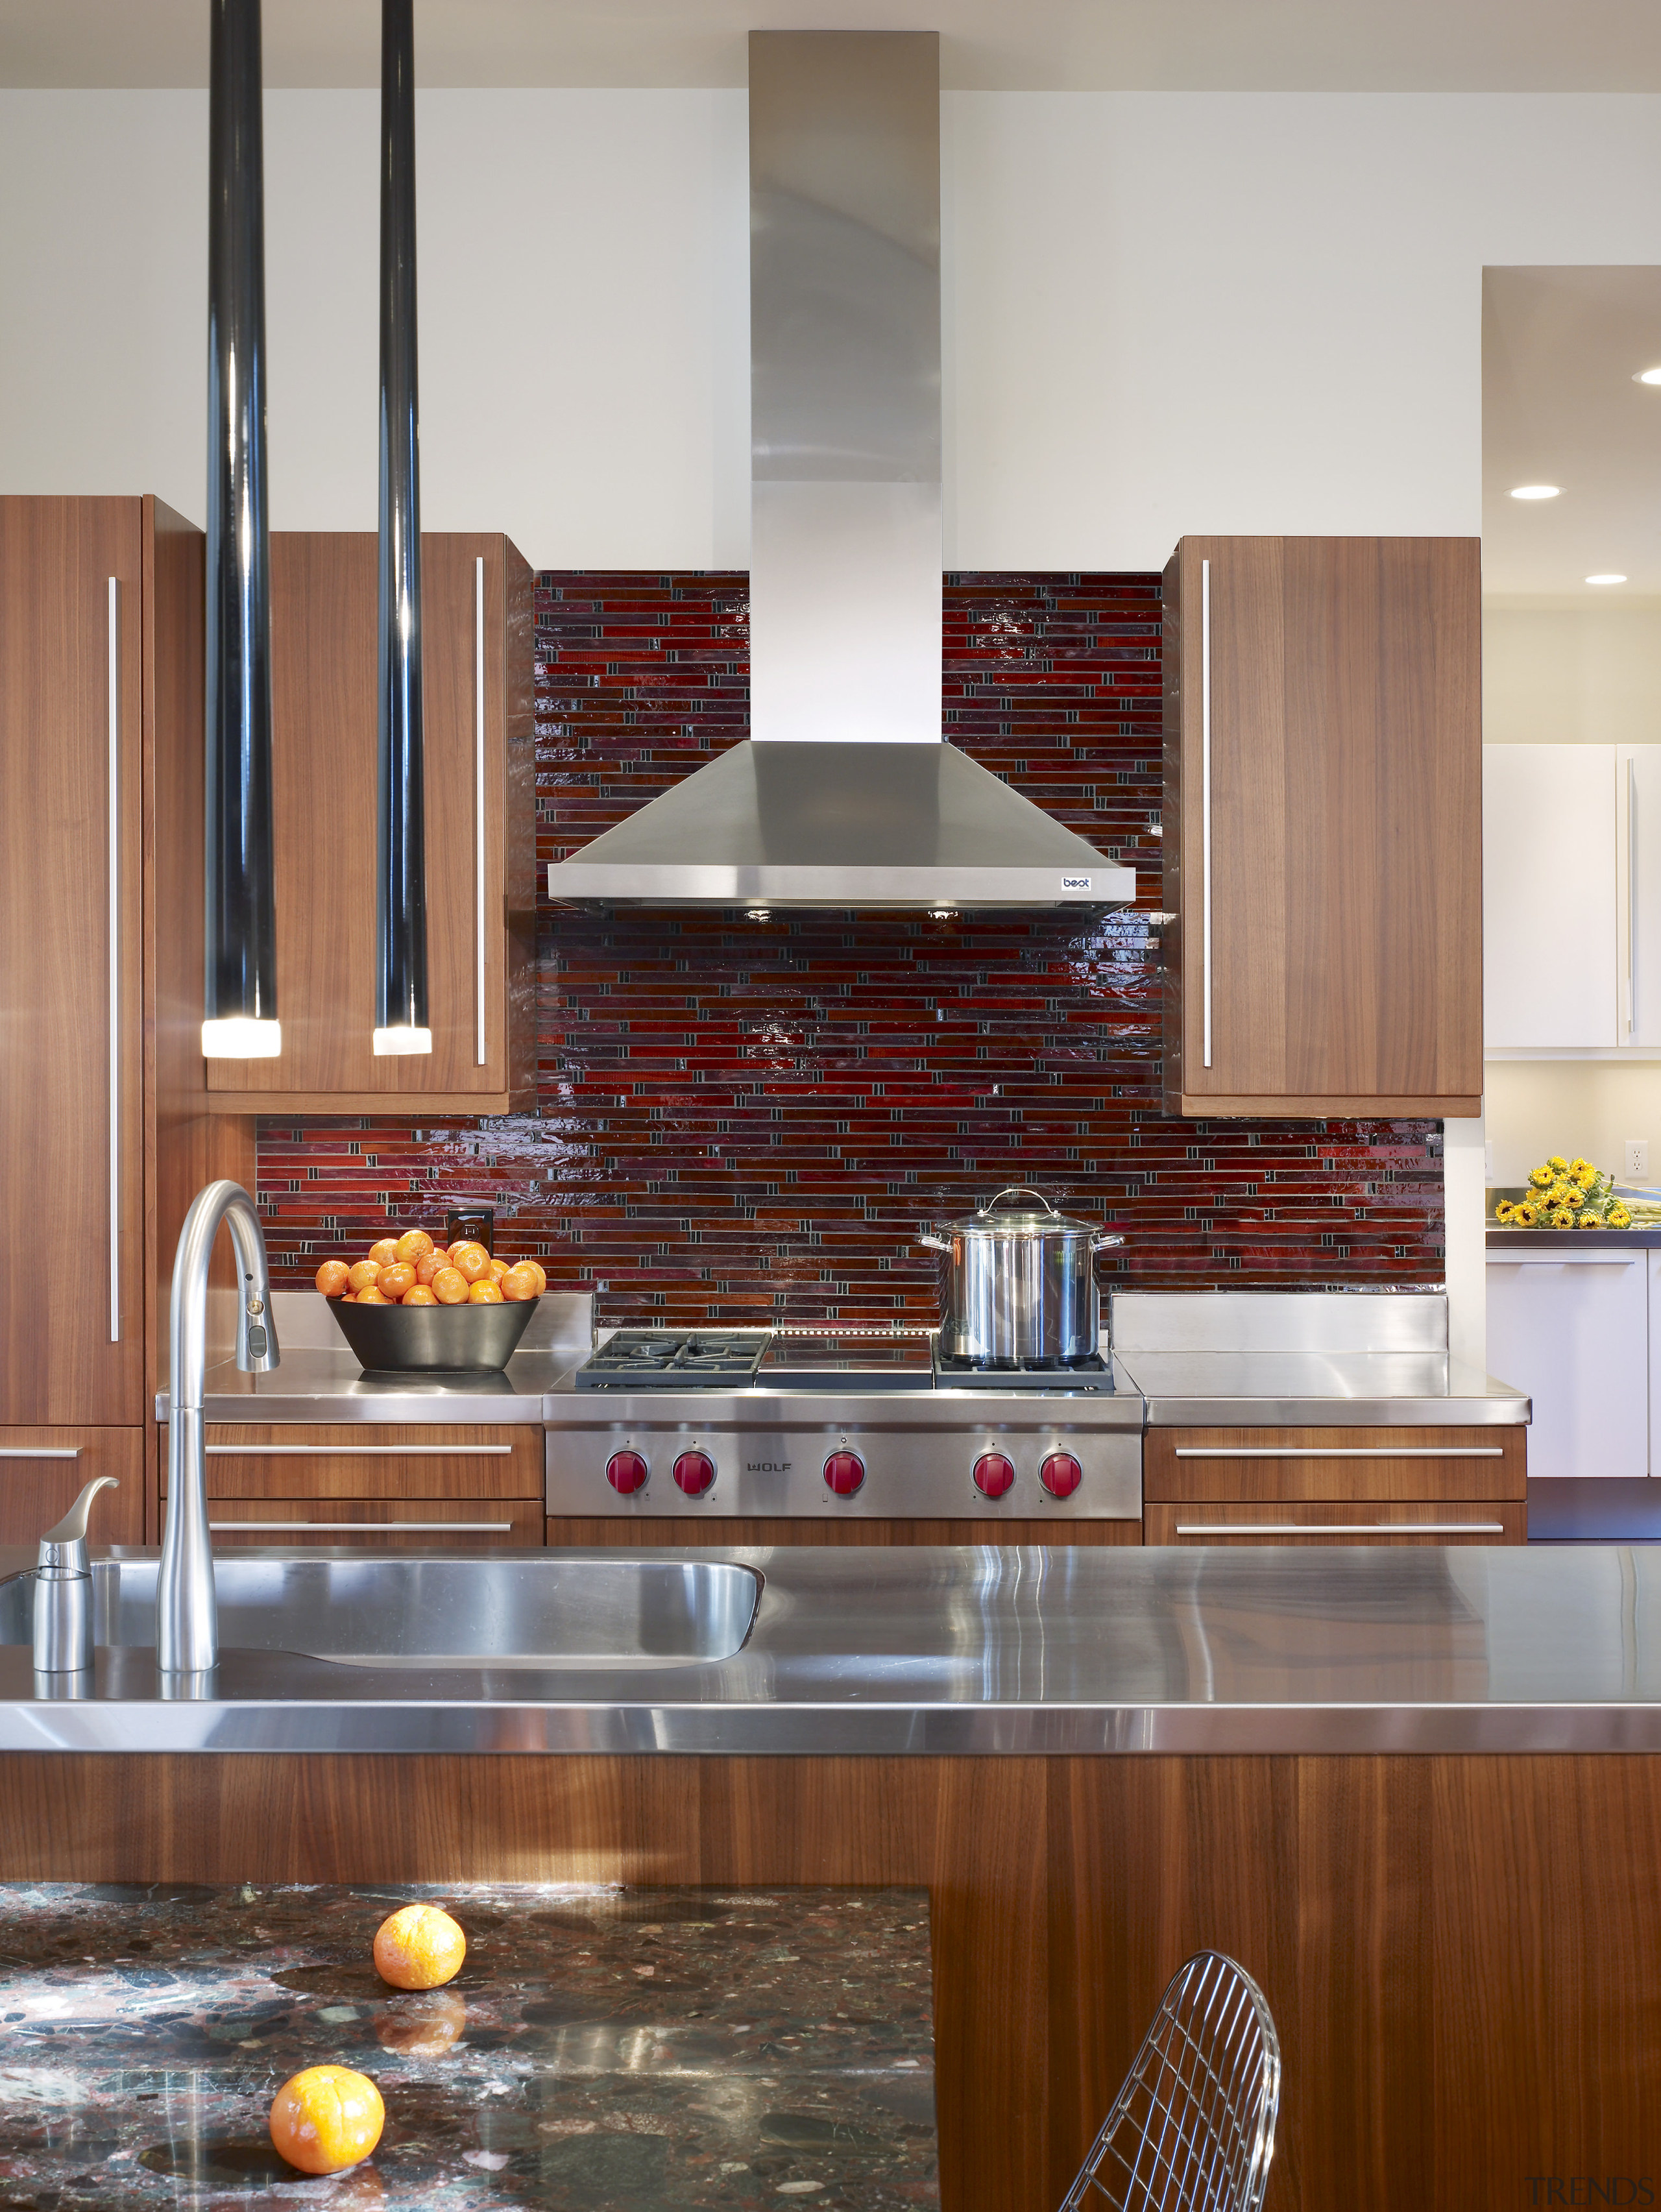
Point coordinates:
[[401, 875], [240, 980]]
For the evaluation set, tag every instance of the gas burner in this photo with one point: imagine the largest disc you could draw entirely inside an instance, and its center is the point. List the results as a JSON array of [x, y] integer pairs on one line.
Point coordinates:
[[1093, 1373], [673, 1359]]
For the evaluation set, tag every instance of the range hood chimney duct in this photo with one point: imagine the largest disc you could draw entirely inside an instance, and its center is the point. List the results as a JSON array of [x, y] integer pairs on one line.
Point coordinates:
[[844, 795]]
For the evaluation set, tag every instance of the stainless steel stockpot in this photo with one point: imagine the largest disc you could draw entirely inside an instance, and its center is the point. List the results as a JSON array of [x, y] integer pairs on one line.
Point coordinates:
[[1019, 1284]]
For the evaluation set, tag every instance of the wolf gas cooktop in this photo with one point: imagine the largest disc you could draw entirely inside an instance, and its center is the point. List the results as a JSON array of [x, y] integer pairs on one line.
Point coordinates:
[[678, 1424]]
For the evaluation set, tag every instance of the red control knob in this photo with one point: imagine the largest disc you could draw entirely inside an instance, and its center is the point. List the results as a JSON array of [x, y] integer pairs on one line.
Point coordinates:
[[844, 1472], [1061, 1474], [993, 1474], [694, 1473], [626, 1471]]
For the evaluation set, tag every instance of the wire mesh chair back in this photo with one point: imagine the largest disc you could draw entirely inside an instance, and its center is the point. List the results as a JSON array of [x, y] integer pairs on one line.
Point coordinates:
[[1193, 2128]]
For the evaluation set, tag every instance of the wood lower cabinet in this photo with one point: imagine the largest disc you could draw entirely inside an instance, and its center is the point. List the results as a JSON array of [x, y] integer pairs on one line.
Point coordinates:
[[42, 1471], [1393, 1485], [379, 1485], [478, 642], [1322, 849]]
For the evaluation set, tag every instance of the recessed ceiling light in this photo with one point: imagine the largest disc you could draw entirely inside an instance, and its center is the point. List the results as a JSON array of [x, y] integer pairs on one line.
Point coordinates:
[[1648, 376], [1606, 580], [1535, 491]]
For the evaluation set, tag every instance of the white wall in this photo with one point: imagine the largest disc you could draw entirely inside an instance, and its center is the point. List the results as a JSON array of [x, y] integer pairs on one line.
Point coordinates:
[[1163, 311], [1587, 675]]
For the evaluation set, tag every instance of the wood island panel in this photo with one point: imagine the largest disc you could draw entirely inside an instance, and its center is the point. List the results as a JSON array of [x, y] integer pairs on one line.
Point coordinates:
[[1460, 1954]]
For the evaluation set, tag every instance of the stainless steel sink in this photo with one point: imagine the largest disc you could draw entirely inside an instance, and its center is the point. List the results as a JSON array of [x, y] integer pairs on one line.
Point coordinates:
[[549, 1610]]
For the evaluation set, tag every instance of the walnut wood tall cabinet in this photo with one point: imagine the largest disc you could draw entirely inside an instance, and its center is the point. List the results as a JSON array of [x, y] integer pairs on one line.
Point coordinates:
[[1322, 826], [104, 1132]]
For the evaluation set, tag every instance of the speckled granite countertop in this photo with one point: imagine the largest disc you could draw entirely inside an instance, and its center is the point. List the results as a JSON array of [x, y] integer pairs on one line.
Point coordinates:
[[642, 2048]]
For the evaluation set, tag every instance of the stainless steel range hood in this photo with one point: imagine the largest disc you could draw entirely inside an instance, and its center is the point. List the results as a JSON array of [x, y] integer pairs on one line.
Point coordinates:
[[846, 796]]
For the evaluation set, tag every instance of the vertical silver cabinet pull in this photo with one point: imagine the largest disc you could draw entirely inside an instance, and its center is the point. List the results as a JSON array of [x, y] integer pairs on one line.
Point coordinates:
[[1205, 786], [1632, 897], [478, 792], [114, 871]]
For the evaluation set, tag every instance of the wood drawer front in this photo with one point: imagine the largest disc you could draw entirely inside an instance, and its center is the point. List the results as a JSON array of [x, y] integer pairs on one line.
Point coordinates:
[[43, 1470], [365, 1463], [1401, 1463], [1386, 1520], [378, 1523]]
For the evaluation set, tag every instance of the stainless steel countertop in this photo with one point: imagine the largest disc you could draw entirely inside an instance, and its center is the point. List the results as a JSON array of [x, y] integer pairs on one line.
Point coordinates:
[[997, 1651], [315, 1385], [1248, 1359], [1325, 1389]]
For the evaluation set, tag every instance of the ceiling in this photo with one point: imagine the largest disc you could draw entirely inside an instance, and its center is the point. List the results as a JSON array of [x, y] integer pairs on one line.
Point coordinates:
[[1447, 46], [1560, 347]]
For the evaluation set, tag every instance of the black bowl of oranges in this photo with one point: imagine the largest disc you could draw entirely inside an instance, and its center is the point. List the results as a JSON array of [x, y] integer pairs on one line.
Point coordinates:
[[414, 1307]]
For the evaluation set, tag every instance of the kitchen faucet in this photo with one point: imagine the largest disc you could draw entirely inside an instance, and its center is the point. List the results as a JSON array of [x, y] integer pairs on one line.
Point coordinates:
[[186, 1613]]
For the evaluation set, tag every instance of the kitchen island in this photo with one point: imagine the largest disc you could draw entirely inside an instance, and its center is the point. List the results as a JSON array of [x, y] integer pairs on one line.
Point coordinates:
[[1415, 1791]]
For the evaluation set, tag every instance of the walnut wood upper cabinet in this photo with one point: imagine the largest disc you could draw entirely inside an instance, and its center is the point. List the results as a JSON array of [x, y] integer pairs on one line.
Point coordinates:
[[1322, 826], [477, 645]]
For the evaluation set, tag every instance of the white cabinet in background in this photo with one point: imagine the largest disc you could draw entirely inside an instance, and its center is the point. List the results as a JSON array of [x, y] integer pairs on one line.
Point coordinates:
[[1572, 1328], [1571, 898], [1550, 904]]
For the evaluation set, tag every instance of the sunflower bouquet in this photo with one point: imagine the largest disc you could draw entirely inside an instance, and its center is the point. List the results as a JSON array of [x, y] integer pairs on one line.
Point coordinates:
[[1565, 1195]]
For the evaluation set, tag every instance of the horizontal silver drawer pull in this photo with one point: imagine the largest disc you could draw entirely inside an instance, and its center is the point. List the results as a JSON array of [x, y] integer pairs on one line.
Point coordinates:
[[429, 1527], [39, 1451], [1340, 1528], [361, 1451], [1334, 1451]]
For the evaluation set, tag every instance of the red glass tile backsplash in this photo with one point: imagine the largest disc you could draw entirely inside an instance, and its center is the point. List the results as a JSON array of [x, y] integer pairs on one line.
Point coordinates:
[[743, 1120]]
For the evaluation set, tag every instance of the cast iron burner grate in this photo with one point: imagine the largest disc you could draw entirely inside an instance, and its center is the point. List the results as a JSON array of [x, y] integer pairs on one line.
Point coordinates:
[[667, 1360], [1093, 1373]]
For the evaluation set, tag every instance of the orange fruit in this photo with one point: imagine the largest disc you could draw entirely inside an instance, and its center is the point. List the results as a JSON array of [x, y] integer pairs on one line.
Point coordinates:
[[396, 1279], [498, 1269], [332, 1277], [364, 1275], [485, 1294], [349, 1298], [385, 1252], [473, 1261], [375, 1295], [419, 1948], [428, 1265], [542, 1274], [419, 1295], [327, 2119], [424, 2026], [519, 1284], [414, 1244], [449, 1287]]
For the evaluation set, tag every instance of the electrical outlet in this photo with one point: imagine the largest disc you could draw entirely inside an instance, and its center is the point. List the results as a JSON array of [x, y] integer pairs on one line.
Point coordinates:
[[1637, 1165]]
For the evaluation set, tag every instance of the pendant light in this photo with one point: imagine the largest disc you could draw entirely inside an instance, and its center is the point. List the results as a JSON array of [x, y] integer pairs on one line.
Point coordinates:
[[401, 1024], [240, 979]]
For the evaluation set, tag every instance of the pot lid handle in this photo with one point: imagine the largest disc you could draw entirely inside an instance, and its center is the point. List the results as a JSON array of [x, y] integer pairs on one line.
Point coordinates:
[[1020, 1190]]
